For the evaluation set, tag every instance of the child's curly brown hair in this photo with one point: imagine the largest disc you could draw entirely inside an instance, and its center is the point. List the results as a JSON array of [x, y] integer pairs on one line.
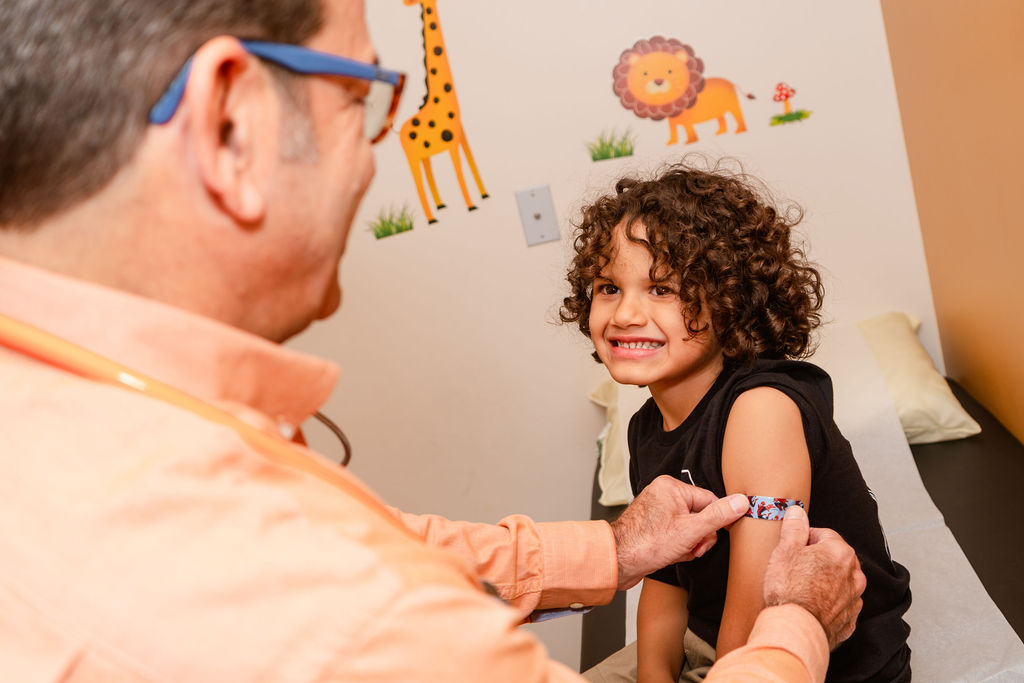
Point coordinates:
[[718, 236]]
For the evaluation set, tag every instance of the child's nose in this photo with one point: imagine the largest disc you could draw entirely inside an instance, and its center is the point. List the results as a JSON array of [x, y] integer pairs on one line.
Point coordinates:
[[629, 312]]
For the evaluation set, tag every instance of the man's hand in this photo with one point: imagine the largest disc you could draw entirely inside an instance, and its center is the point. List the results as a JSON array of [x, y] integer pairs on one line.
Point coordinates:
[[670, 522], [816, 569]]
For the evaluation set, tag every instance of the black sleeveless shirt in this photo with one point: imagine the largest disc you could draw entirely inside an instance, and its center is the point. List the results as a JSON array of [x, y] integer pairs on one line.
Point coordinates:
[[840, 500]]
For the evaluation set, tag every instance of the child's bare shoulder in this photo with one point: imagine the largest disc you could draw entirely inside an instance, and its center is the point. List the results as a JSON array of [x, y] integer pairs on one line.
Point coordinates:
[[763, 403]]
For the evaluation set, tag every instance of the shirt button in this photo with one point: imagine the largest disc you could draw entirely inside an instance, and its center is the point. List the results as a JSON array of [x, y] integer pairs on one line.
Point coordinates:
[[576, 605], [287, 430]]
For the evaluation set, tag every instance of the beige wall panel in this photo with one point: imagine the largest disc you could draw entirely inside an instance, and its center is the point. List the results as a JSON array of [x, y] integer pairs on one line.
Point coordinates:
[[959, 72], [460, 395]]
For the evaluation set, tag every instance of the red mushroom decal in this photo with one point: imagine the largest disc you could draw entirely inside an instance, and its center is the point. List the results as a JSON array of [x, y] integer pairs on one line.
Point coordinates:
[[782, 94]]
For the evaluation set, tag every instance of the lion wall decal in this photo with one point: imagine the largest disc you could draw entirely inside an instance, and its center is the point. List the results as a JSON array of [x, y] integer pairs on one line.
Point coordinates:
[[661, 78]]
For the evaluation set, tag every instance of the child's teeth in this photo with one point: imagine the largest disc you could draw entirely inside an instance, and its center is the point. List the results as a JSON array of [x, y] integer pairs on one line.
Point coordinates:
[[639, 345]]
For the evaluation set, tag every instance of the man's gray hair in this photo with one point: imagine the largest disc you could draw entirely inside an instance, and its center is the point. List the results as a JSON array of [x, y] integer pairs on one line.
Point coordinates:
[[78, 78]]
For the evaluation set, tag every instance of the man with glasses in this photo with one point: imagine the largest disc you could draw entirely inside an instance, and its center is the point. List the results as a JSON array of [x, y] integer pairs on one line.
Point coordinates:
[[177, 182]]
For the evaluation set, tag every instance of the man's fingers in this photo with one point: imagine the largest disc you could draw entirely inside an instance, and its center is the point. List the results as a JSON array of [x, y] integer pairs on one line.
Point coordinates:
[[705, 545], [795, 529], [696, 498], [860, 582], [700, 530], [818, 535], [718, 514]]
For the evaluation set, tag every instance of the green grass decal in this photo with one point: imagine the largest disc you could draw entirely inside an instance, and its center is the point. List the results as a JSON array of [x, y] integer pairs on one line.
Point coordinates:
[[611, 146], [798, 115], [391, 222]]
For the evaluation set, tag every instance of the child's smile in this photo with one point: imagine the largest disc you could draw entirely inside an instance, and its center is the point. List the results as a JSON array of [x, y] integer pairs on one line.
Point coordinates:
[[639, 331], [630, 347]]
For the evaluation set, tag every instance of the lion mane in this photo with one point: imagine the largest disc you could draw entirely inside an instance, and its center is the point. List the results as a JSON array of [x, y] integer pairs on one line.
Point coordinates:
[[640, 54]]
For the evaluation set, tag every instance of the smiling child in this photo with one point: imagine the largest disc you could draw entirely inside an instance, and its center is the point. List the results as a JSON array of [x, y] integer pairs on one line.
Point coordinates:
[[688, 284]]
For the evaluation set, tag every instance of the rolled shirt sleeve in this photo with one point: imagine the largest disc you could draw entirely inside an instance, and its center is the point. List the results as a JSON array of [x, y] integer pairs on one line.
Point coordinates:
[[532, 565], [787, 644]]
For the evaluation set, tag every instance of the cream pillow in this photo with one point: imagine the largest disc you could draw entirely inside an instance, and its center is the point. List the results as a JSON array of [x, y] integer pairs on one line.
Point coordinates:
[[924, 402], [620, 401]]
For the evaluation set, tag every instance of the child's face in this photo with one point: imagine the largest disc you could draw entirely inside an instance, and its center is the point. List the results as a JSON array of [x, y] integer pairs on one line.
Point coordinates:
[[638, 328]]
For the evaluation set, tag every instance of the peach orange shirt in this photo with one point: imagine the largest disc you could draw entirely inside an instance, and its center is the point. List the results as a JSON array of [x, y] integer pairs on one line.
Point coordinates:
[[140, 542]]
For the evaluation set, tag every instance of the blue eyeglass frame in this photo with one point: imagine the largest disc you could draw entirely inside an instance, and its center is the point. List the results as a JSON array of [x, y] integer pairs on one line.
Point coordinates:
[[295, 58]]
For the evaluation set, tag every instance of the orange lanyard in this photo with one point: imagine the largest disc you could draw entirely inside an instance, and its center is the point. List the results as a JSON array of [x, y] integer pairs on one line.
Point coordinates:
[[60, 353]]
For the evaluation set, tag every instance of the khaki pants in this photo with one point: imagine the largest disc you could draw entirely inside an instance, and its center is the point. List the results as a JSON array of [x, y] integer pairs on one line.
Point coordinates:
[[621, 666]]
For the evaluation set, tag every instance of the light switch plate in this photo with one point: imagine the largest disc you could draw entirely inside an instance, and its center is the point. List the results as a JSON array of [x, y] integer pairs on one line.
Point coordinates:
[[537, 212]]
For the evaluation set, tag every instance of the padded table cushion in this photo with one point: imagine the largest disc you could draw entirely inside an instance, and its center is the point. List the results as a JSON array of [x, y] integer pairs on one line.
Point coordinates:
[[976, 483]]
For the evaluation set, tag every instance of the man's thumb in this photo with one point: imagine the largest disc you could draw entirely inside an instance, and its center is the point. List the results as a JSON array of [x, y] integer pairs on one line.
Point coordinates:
[[723, 512], [795, 529]]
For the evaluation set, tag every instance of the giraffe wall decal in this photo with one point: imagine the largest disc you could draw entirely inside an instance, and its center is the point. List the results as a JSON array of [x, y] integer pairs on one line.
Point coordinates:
[[437, 126]]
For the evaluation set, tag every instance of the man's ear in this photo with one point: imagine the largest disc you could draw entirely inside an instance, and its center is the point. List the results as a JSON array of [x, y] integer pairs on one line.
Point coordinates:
[[226, 103]]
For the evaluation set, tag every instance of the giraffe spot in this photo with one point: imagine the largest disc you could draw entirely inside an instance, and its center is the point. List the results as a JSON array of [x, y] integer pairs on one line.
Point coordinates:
[[431, 124], [426, 143], [447, 87], [415, 122], [430, 10], [433, 72], [436, 100], [438, 50], [446, 135], [451, 115], [412, 135], [433, 26]]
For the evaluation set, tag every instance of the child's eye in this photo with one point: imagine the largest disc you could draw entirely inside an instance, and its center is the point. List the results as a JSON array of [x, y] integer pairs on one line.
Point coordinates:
[[663, 290], [607, 288]]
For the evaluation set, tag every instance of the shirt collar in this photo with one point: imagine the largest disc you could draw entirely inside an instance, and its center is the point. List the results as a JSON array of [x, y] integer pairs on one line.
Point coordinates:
[[203, 357]]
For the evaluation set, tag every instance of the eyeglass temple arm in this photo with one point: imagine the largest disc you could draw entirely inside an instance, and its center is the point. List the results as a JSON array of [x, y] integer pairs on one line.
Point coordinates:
[[163, 110], [293, 57]]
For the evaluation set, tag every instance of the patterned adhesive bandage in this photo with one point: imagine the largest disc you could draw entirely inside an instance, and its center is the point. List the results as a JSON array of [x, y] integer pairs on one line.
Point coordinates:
[[766, 507]]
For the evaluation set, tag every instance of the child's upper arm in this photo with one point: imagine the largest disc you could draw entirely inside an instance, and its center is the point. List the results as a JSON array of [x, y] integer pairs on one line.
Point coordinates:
[[764, 453]]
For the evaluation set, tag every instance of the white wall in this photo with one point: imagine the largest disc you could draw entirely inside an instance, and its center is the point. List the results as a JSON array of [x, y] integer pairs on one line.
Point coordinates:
[[458, 392]]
